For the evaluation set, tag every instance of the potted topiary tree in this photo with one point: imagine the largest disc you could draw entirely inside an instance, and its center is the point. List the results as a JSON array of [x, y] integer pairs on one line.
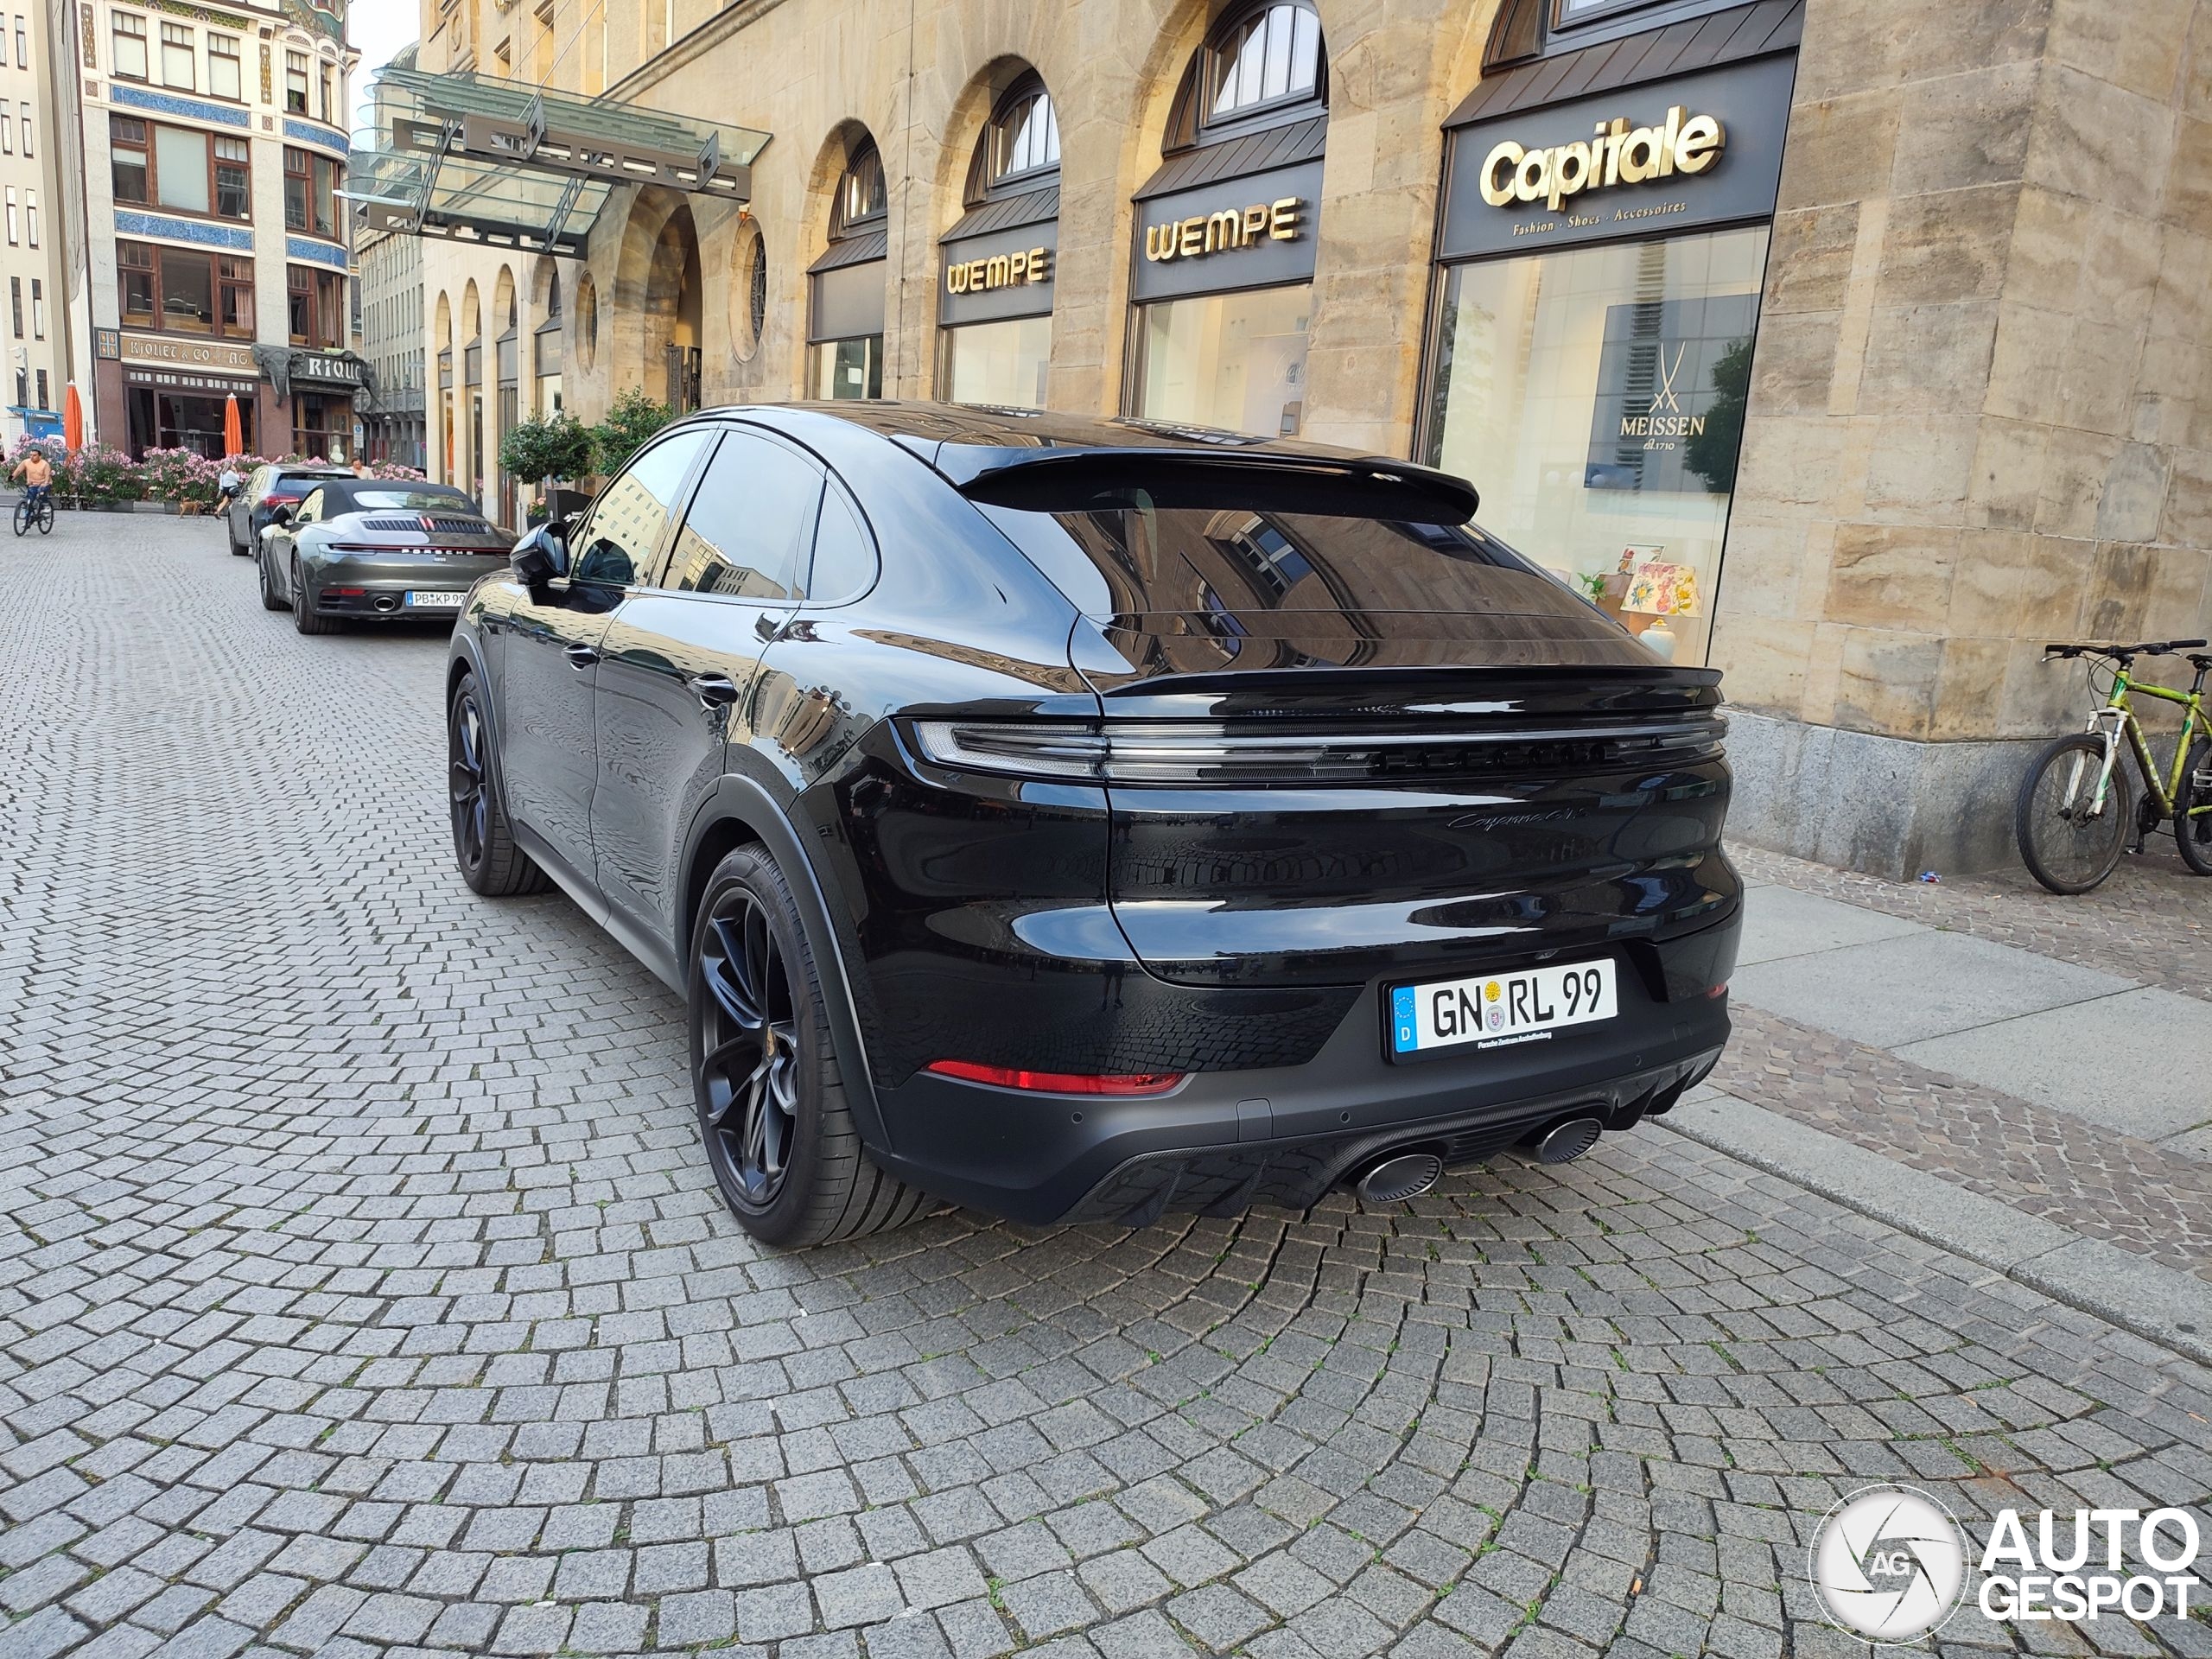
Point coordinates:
[[555, 447], [633, 419]]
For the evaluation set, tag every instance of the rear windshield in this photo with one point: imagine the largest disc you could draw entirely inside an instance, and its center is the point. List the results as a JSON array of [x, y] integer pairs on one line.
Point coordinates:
[[414, 501], [1127, 552]]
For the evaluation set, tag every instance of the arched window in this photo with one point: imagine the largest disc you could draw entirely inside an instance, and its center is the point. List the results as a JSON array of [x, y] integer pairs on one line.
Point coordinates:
[[860, 201], [1025, 133], [1267, 56]]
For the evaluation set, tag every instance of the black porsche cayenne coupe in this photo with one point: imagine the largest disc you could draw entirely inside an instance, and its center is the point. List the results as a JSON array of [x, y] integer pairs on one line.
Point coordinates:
[[1083, 819]]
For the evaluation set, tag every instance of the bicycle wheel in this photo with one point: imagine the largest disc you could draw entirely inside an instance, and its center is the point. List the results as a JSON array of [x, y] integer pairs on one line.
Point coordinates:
[[2193, 811], [46, 517], [22, 517], [2066, 844]]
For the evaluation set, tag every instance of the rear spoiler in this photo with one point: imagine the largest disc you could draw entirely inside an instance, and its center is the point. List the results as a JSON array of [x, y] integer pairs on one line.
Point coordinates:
[[1055, 480]]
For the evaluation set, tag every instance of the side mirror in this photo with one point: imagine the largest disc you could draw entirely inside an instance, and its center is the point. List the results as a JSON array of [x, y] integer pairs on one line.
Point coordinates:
[[540, 557], [280, 516]]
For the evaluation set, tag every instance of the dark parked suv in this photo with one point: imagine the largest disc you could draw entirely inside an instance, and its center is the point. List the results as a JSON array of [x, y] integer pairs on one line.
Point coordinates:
[[1085, 819]]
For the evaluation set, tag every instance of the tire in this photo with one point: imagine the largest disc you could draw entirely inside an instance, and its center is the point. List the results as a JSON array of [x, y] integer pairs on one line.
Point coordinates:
[[270, 601], [46, 517], [2193, 811], [305, 617], [22, 517], [2065, 859], [820, 1185], [483, 842]]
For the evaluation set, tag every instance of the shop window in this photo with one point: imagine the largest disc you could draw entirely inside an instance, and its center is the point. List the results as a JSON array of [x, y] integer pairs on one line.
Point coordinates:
[[1266, 56], [1024, 136], [322, 426], [1597, 394], [311, 187], [127, 48], [316, 303], [848, 368], [1232, 360], [225, 74], [1001, 363], [178, 64], [296, 82]]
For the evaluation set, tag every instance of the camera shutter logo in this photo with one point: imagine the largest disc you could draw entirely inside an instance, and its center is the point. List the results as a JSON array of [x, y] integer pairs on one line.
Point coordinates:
[[1889, 1563]]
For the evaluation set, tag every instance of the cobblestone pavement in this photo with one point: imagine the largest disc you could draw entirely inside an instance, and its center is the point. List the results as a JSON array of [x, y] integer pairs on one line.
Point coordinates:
[[361, 1290]]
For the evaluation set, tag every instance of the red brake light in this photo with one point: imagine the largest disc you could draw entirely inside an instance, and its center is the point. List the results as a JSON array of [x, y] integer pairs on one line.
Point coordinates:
[[1059, 1082]]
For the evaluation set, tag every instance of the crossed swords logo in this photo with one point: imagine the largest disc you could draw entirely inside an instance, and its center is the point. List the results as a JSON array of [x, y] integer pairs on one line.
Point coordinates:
[[1664, 397]]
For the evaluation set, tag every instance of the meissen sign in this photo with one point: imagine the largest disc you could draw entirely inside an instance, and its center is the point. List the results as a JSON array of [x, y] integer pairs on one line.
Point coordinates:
[[1700, 148]]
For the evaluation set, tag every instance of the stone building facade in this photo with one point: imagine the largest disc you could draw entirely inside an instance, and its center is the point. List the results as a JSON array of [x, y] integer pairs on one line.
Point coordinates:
[[1943, 271], [37, 191]]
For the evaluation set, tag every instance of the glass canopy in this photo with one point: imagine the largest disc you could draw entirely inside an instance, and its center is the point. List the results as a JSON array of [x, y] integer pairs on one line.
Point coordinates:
[[476, 158]]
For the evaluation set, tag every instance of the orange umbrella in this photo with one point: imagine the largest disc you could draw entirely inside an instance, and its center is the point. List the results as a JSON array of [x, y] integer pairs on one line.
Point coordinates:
[[233, 433], [72, 420]]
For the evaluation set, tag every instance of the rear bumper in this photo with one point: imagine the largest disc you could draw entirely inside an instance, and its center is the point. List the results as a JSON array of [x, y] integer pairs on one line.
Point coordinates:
[[371, 596], [1286, 1135]]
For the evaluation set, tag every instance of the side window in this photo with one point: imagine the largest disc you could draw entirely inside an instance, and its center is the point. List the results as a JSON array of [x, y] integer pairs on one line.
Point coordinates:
[[750, 523], [624, 531], [844, 556]]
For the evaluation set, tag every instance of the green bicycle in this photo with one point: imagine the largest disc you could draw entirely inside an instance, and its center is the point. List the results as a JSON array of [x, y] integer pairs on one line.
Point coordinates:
[[2077, 810]]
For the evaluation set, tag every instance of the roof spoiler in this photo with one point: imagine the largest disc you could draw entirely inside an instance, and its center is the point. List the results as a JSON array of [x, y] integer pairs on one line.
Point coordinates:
[[1056, 479]]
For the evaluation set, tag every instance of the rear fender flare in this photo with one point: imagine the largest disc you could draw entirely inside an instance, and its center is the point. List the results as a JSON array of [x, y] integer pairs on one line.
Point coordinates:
[[744, 801]]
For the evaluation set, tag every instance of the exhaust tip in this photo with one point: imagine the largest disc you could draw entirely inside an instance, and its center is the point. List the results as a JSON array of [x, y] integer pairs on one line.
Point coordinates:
[[1406, 1176], [1567, 1142], [386, 603]]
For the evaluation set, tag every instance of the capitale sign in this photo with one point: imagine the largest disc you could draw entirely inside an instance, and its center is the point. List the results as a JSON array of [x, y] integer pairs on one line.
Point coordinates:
[[1649, 159]]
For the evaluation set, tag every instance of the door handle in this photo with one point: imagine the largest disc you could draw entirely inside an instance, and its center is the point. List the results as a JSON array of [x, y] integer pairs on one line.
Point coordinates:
[[713, 690], [580, 655]]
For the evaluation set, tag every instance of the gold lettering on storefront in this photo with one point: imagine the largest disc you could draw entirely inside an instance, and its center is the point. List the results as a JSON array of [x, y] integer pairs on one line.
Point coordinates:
[[1232, 227], [1618, 154], [999, 270]]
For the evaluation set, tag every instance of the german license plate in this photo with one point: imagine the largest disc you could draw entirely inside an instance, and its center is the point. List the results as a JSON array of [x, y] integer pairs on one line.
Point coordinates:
[[422, 601], [1493, 1010]]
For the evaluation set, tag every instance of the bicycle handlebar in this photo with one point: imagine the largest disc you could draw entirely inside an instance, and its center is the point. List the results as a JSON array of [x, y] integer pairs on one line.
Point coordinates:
[[2146, 648]]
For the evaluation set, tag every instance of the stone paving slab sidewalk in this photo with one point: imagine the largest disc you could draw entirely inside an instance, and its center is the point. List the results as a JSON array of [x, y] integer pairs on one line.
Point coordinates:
[[362, 1293], [1986, 1034]]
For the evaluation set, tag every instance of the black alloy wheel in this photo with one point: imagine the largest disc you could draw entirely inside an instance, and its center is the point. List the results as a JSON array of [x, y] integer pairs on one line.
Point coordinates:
[[748, 1066], [483, 844], [772, 1111]]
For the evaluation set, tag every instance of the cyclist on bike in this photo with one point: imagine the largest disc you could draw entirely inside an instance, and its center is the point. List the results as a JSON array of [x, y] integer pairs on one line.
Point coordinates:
[[37, 474]]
